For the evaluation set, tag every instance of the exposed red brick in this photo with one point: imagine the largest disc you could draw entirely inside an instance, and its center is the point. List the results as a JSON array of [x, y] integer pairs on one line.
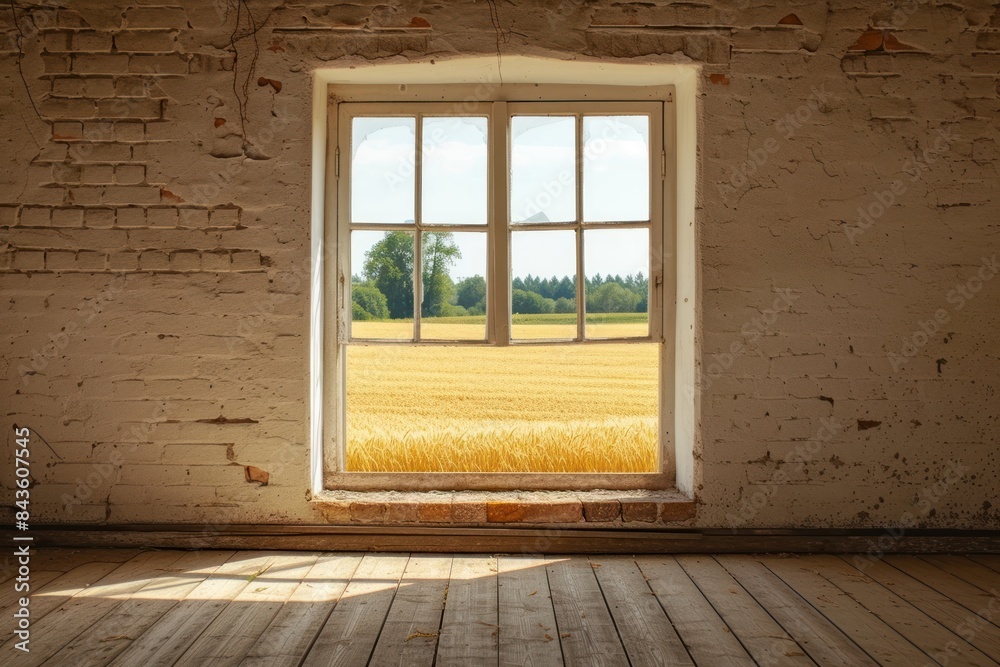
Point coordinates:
[[602, 510], [468, 512], [401, 512], [719, 79], [264, 81], [434, 512], [369, 512], [168, 196], [676, 511], [419, 22], [515, 512], [870, 40], [336, 512], [791, 19], [255, 474], [639, 510], [504, 512]]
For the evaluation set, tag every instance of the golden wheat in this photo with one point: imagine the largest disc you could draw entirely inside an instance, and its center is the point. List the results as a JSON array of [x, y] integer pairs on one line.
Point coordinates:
[[578, 408]]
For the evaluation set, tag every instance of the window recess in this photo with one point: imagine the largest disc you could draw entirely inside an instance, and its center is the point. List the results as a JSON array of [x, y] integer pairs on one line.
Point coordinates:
[[536, 226]]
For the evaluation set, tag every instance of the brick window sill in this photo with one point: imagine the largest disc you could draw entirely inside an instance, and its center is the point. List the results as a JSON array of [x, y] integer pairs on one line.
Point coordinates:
[[597, 509]]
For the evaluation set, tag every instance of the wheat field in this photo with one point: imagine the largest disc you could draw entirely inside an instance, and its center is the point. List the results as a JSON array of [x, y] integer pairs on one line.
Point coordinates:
[[575, 408]]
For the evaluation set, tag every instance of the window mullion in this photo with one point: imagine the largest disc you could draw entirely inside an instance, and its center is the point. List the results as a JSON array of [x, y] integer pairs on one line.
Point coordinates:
[[498, 269], [581, 283], [418, 255]]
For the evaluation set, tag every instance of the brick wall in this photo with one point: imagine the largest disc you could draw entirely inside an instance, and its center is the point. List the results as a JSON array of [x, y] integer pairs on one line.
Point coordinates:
[[154, 246]]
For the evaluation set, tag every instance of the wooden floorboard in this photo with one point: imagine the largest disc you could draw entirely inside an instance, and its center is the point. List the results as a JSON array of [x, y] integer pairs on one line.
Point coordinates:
[[528, 635], [292, 631], [470, 627], [968, 570], [180, 627], [228, 639], [908, 620], [62, 588], [762, 637], [984, 636], [970, 596], [823, 641], [708, 639], [643, 626], [349, 635], [129, 608], [104, 640], [986, 560], [873, 635], [88, 606], [586, 632], [411, 630]]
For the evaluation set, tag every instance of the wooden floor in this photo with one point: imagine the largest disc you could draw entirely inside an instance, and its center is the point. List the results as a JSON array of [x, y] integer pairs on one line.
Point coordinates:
[[260, 608]]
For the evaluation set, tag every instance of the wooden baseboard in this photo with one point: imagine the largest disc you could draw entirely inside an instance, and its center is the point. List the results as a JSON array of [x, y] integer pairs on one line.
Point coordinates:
[[517, 540]]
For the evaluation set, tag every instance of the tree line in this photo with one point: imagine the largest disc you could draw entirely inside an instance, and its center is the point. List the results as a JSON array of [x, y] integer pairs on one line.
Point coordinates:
[[384, 290]]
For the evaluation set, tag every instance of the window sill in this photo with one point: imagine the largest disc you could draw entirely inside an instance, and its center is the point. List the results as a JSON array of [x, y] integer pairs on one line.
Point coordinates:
[[597, 509]]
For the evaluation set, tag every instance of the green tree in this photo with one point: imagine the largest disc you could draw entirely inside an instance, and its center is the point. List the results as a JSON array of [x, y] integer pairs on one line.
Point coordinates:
[[612, 298], [530, 303], [368, 303], [471, 292], [389, 267], [439, 255], [564, 305]]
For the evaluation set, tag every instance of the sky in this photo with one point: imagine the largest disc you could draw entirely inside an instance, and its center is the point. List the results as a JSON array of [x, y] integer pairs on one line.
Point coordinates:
[[454, 169]]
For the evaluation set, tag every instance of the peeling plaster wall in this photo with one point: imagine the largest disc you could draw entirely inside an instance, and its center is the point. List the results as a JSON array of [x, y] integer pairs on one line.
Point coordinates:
[[154, 246]]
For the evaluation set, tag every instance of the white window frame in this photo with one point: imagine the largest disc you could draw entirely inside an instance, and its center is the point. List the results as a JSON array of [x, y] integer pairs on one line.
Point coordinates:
[[497, 228], [522, 76]]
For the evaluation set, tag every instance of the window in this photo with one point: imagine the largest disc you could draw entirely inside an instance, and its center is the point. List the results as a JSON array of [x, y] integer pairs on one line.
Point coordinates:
[[502, 288]]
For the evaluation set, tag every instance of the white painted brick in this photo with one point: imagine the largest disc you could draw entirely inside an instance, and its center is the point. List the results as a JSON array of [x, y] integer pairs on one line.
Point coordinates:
[[132, 216], [36, 216], [67, 217], [784, 228], [129, 131], [100, 64]]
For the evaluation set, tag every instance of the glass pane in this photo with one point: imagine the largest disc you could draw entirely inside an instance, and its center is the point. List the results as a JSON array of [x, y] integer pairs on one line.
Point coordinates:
[[616, 263], [615, 168], [381, 284], [543, 169], [382, 169], [453, 170], [523, 408], [543, 284], [453, 306]]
